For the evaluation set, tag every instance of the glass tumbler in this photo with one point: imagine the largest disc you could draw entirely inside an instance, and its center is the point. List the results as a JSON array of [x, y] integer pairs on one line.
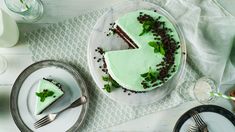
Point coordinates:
[[30, 10], [200, 91]]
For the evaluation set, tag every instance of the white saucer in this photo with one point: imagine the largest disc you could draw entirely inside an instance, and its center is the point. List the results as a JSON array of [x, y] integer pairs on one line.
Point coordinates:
[[23, 97]]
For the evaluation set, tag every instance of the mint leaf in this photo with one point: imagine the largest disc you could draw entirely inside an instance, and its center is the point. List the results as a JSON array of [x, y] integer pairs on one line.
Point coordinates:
[[156, 50], [105, 78], [152, 44], [142, 33], [155, 45], [44, 94], [114, 84], [162, 51], [42, 99], [49, 93], [147, 79], [111, 83], [144, 74], [147, 25], [150, 75], [107, 88], [39, 94]]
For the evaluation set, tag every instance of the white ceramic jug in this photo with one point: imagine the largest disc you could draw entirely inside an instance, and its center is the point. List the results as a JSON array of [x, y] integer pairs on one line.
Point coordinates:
[[9, 32]]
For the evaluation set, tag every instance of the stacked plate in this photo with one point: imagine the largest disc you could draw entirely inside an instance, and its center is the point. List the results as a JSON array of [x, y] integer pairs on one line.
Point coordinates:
[[217, 119]]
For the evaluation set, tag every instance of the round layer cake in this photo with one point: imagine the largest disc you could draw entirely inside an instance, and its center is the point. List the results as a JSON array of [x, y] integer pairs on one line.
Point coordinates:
[[155, 52]]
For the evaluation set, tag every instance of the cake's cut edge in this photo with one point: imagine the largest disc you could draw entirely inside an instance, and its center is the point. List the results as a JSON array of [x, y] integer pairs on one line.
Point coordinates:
[[125, 37]]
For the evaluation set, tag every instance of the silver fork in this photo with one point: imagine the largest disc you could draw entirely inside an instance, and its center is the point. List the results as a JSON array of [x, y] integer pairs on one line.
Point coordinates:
[[51, 117], [192, 128], [199, 122]]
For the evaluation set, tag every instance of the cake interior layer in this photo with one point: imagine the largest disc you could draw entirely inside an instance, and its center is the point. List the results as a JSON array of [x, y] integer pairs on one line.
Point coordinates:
[[125, 37]]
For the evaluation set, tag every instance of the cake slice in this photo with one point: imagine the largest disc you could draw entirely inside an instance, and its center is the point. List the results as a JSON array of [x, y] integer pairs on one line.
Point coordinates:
[[48, 92]]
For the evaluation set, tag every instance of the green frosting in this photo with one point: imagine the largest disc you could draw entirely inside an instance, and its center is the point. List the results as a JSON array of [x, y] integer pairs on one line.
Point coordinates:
[[126, 66], [46, 85]]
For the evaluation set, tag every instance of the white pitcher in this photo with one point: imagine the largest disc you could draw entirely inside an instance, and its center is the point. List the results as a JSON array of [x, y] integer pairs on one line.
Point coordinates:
[[9, 32]]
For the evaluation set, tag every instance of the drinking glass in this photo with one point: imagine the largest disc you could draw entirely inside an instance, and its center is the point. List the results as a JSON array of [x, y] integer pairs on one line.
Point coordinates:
[[200, 90], [31, 10], [3, 64]]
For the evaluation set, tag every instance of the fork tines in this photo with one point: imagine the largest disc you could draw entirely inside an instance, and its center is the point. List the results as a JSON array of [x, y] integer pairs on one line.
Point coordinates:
[[192, 128], [44, 121], [198, 120]]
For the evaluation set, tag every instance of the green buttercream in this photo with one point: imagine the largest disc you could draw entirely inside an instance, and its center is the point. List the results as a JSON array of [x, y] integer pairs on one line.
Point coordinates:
[[126, 66], [46, 85]]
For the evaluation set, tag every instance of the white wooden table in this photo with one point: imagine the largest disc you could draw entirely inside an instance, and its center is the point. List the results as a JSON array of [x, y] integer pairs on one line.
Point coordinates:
[[19, 57]]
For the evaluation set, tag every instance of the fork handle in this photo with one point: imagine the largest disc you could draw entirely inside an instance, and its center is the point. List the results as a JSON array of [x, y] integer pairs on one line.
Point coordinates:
[[76, 103], [205, 130]]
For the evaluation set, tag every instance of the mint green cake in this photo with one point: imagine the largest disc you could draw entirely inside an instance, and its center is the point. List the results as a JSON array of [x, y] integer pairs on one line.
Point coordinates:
[[47, 93], [128, 66]]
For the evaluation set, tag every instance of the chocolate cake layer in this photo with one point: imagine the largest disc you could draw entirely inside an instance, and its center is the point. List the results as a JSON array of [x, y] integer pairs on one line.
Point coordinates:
[[125, 37]]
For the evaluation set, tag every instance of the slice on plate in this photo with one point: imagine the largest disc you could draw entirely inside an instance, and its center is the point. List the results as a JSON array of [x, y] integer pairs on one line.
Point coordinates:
[[48, 92]]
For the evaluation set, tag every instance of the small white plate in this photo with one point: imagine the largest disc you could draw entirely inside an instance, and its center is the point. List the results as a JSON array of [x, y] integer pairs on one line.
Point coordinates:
[[23, 97], [98, 38], [217, 119]]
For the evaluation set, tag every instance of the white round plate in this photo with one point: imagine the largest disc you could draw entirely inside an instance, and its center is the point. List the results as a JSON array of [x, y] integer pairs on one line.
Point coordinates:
[[99, 38], [217, 119], [23, 97]]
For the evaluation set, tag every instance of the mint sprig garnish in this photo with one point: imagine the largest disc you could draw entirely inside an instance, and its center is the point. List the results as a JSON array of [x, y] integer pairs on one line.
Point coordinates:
[[147, 26], [158, 48], [110, 83], [44, 94], [151, 75]]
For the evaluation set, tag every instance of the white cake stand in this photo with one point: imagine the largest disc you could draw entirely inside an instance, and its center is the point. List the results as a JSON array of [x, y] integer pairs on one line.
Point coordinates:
[[98, 38]]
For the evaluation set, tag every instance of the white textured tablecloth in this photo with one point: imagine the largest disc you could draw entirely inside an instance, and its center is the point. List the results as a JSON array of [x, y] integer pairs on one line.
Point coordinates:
[[209, 36], [208, 31]]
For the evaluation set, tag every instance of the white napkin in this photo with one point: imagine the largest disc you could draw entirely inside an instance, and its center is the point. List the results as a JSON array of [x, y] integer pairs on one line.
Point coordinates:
[[209, 33]]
